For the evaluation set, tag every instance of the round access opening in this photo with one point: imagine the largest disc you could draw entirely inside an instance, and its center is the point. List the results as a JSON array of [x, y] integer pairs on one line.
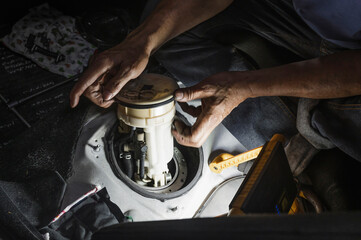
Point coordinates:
[[185, 168]]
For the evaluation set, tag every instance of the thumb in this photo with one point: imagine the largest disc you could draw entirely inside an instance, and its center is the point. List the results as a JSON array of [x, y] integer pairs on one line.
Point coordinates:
[[192, 93]]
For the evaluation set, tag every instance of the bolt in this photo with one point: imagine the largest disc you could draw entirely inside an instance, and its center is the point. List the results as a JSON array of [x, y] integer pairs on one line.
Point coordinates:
[[173, 209], [97, 148]]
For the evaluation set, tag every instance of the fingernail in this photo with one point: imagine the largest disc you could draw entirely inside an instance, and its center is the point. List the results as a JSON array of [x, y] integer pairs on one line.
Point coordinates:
[[107, 95], [178, 95], [72, 104]]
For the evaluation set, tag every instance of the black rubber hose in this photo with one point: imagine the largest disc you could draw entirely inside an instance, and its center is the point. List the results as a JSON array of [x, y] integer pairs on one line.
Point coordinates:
[[141, 166], [127, 160], [128, 165]]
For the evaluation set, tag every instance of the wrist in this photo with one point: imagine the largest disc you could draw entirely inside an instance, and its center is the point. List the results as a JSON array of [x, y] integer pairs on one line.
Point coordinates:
[[242, 85], [151, 34], [141, 40]]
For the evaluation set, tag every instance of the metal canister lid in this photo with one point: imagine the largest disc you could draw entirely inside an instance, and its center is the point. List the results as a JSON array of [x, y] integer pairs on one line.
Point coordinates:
[[147, 91]]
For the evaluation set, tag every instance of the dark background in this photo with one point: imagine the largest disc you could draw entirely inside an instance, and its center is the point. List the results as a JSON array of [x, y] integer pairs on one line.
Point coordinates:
[[33, 79], [11, 11]]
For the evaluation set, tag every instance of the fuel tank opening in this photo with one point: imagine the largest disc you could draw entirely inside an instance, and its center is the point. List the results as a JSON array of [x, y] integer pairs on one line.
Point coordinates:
[[185, 167]]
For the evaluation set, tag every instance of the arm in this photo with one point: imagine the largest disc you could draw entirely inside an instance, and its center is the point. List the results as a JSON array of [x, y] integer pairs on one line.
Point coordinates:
[[110, 70], [334, 76], [171, 18]]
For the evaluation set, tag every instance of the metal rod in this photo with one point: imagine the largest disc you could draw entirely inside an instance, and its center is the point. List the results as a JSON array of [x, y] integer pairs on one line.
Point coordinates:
[[213, 192], [17, 102], [20, 117], [15, 112]]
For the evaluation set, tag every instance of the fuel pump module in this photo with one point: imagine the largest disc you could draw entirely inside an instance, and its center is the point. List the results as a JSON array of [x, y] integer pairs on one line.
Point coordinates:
[[140, 147], [145, 111]]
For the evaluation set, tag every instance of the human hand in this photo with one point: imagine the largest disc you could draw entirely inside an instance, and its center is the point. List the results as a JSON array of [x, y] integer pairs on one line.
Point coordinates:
[[109, 71], [219, 95]]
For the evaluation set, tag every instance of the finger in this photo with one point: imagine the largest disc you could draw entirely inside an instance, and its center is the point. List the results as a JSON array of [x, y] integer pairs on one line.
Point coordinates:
[[182, 133], [196, 135], [204, 125], [107, 104], [191, 110], [94, 92], [115, 84], [195, 92], [88, 78], [186, 136]]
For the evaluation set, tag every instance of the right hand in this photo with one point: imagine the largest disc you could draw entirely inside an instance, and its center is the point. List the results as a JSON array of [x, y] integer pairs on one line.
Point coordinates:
[[109, 71], [219, 94]]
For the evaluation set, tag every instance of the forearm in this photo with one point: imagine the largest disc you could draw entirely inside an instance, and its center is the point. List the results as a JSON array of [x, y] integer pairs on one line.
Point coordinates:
[[334, 76], [173, 17]]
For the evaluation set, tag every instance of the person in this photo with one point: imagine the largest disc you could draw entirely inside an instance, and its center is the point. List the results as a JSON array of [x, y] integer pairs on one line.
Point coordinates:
[[326, 34]]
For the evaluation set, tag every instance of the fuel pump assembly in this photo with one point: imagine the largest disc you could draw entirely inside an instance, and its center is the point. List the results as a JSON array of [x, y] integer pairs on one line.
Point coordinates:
[[142, 150]]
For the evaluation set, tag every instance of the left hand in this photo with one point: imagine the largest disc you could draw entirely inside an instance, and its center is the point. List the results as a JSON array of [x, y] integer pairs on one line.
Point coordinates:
[[219, 95]]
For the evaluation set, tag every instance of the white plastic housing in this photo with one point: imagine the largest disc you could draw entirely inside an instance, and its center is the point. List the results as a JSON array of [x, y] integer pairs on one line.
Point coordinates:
[[156, 123], [159, 141]]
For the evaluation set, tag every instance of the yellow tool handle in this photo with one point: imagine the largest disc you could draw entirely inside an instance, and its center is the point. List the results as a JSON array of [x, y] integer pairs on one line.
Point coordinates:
[[226, 160]]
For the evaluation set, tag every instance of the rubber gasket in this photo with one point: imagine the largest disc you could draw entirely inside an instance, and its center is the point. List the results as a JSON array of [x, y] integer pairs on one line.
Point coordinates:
[[138, 106]]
